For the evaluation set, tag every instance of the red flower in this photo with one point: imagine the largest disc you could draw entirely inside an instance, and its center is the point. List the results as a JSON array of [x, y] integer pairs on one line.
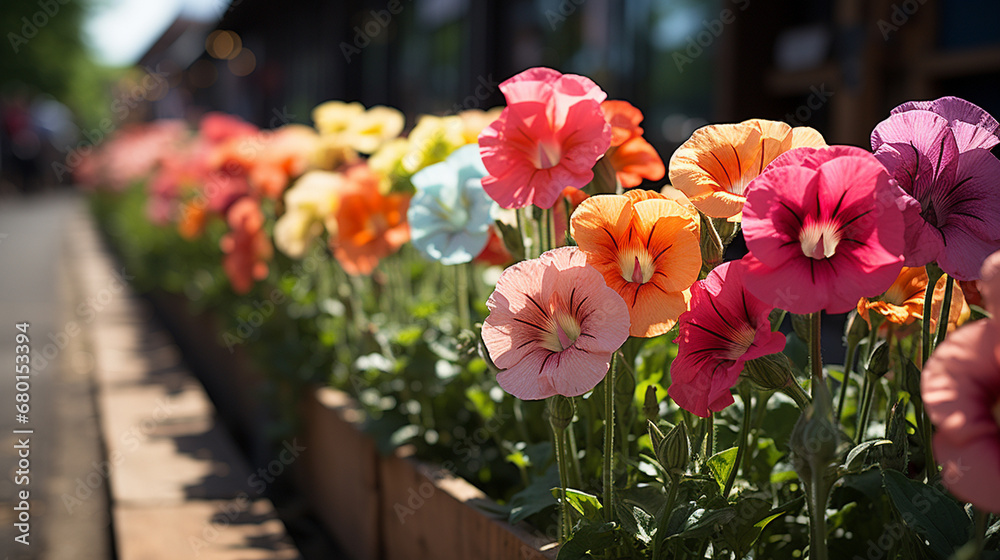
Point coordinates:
[[246, 245]]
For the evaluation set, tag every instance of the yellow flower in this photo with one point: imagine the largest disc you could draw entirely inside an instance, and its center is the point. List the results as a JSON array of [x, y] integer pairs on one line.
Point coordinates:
[[333, 118], [373, 128], [310, 205], [387, 162], [432, 140], [475, 120]]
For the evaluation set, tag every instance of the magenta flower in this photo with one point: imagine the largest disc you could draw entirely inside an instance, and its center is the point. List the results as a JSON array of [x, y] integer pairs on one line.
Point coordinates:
[[725, 327], [553, 326], [549, 137], [960, 385], [938, 153], [823, 230]]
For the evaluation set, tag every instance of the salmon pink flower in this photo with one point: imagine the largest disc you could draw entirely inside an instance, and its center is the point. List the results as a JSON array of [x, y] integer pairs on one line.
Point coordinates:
[[549, 137], [823, 230], [938, 153], [725, 327], [715, 166], [960, 385], [630, 155], [246, 245], [646, 246], [553, 326]]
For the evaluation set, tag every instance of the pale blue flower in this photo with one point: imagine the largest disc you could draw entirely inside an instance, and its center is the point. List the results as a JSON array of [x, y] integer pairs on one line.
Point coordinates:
[[450, 214]]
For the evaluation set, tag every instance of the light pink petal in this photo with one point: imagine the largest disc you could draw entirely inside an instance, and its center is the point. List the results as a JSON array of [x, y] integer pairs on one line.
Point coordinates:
[[573, 372], [525, 381], [534, 84], [971, 471], [505, 338], [812, 158]]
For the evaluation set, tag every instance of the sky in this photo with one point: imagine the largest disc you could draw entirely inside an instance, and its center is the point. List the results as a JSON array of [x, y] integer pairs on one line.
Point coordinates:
[[120, 31]]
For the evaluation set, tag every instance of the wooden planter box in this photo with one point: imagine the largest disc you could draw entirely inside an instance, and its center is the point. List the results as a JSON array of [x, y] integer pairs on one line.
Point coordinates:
[[375, 507], [395, 507]]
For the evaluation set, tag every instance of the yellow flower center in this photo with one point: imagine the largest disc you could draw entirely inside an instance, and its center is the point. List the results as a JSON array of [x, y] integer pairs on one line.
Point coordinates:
[[819, 240], [563, 328], [636, 265], [549, 155]]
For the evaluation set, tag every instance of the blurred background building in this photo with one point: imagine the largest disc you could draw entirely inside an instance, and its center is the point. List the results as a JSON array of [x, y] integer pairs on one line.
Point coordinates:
[[836, 65]]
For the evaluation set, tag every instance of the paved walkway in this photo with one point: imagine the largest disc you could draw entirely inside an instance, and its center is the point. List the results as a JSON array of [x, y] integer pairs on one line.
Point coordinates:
[[127, 459]]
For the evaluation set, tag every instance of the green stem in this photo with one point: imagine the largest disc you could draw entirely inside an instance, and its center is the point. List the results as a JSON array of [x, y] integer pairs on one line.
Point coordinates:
[[462, 289], [576, 479], [817, 516], [852, 351], [675, 485], [981, 523], [942, 324], [609, 440], [710, 435], [741, 443], [559, 439], [867, 396], [926, 435], [815, 359], [798, 394]]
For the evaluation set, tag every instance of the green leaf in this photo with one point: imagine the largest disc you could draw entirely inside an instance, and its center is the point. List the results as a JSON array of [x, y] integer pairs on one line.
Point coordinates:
[[588, 537], [929, 513], [636, 522], [535, 497], [704, 523], [587, 504], [752, 515], [721, 464], [856, 458]]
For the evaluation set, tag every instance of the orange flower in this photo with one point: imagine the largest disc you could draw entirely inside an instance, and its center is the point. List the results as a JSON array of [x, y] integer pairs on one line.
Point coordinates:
[[631, 156], [646, 246], [370, 225], [192, 221], [246, 245], [717, 163], [284, 155], [903, 302]]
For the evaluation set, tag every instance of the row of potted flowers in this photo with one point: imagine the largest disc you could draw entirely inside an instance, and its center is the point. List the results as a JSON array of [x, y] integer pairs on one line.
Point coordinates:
[[613, 322]]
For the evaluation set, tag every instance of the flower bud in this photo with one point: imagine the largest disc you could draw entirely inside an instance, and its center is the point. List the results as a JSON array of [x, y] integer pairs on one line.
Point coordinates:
[[674, 450], [854, 330], [911, 382], [561, 410], [651, 404], [894, 456], [878, 365], [815, 439], [769, 373], [726, 230], [624, 388], [711, 245]]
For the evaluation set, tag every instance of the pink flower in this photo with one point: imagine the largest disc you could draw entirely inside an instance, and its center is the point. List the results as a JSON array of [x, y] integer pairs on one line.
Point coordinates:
[[960, 385], [549, 137], [823, 229], [553, 326], [725, 327]]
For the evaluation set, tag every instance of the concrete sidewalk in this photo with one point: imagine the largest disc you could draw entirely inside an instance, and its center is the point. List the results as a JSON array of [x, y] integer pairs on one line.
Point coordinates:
[[128, 459]]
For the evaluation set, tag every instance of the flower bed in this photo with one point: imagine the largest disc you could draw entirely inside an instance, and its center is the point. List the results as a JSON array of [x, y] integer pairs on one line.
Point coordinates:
[[504, 295]]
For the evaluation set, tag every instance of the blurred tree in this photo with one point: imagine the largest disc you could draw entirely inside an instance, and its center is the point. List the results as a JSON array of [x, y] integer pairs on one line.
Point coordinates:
[[45, 52]]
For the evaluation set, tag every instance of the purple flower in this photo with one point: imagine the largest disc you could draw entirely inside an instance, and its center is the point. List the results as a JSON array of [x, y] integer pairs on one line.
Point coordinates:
[[938, 153]]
